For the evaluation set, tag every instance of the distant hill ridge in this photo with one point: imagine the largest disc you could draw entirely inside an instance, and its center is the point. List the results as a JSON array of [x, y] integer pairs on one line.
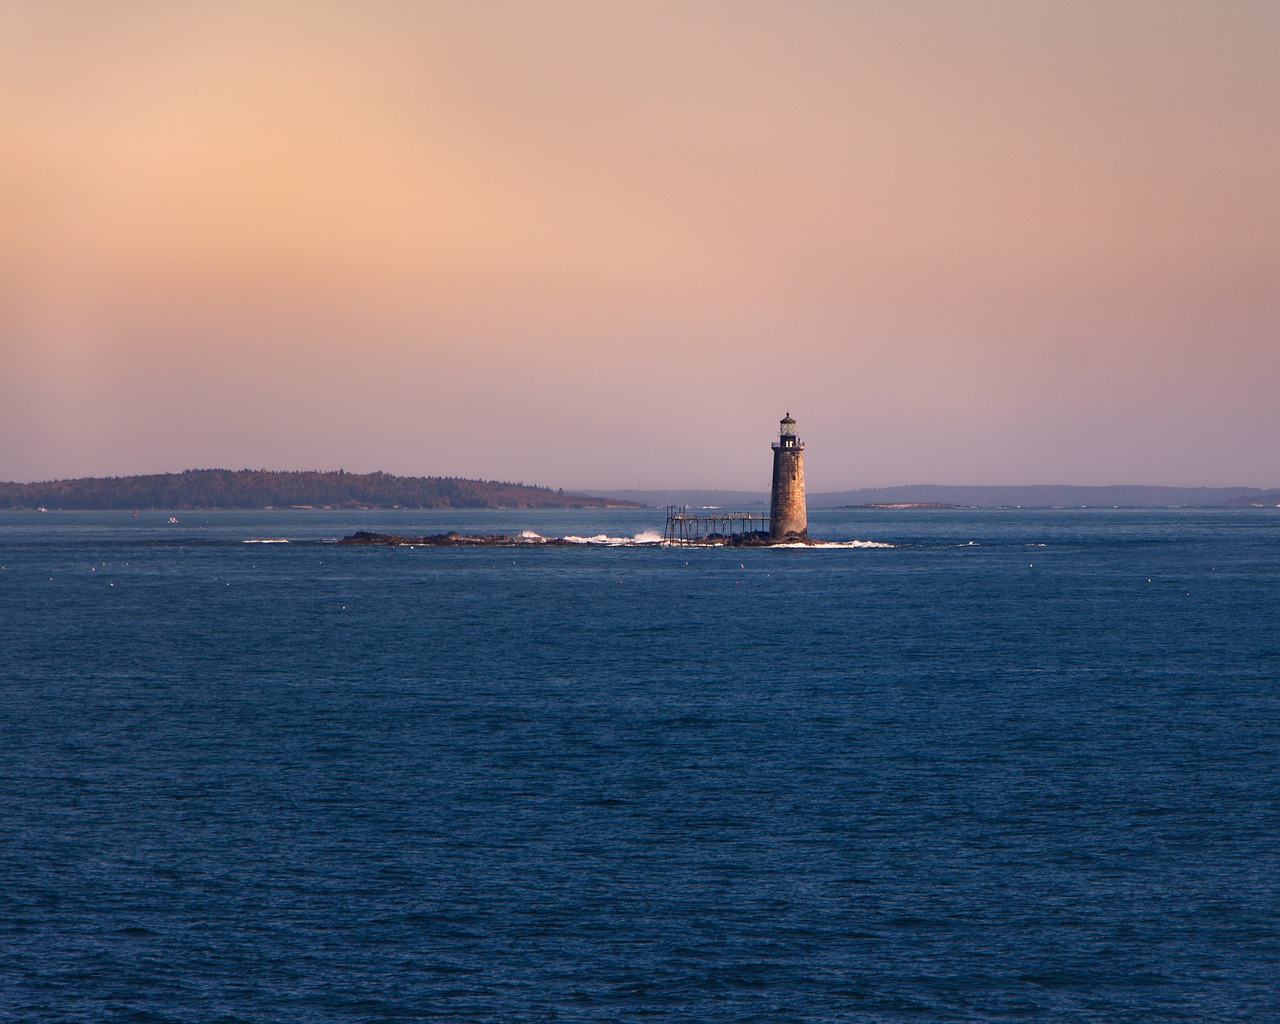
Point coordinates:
[[250, 488], [1032, 496], [1056, 496]]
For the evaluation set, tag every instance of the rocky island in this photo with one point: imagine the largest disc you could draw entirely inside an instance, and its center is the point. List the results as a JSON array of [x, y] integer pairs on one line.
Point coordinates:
[[453, 539]]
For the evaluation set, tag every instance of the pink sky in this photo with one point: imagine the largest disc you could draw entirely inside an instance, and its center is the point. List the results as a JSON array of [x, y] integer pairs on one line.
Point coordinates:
[[600, 245]]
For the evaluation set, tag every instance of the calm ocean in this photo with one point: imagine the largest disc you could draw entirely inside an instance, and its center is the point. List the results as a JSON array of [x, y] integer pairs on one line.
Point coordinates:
[[1020, 765]]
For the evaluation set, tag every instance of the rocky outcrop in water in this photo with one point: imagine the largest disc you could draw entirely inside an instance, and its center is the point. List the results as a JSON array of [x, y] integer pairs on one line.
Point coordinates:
[[453, 539]]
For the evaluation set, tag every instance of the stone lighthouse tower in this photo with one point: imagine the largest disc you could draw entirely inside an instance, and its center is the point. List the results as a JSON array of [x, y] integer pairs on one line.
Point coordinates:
[[788, 519]]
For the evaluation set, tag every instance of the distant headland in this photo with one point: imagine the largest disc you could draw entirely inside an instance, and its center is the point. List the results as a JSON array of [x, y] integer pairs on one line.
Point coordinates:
[[959, 496], [260, 488]]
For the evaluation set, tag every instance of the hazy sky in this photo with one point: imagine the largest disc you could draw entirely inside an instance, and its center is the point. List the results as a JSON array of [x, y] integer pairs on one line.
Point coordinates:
[[609, 244]]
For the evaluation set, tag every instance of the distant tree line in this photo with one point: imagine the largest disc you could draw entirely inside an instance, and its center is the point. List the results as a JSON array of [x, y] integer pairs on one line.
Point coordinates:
[[260, 488]]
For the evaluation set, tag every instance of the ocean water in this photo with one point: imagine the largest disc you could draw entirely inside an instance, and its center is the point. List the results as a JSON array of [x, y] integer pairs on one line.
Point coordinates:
[[1016, 765]]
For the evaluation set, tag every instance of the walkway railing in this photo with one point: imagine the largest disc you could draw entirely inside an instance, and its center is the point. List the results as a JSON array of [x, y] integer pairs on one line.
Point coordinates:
[[709, 527]]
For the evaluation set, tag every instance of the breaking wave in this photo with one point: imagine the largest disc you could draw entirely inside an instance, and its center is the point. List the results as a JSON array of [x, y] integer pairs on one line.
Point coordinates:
[[643, 538], [836, 544], [652, 538]]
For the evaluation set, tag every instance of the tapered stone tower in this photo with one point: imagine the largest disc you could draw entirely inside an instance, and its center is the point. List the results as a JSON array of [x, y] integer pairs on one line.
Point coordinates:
[[788, 517]]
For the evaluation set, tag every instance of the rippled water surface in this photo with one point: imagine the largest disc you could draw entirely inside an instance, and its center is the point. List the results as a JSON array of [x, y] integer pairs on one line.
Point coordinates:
[[1019, 765]]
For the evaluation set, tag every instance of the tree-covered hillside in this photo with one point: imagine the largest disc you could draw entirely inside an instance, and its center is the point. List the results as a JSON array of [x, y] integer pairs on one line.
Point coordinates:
[[248, 488]]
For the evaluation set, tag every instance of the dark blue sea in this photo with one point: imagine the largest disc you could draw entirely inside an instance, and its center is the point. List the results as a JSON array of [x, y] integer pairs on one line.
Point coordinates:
[[1017, 765]]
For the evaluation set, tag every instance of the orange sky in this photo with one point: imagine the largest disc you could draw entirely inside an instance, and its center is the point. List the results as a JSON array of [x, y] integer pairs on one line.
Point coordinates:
[[608, 245]]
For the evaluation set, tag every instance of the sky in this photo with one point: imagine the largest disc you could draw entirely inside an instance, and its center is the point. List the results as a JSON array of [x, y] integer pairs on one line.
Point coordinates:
[[608, 245]]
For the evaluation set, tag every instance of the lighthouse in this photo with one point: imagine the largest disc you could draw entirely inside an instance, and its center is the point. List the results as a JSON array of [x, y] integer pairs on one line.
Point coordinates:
[[788, 519]]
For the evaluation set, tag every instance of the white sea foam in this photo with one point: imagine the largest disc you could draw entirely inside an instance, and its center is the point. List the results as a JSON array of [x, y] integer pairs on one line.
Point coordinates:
[[645, 537], [835, 544]]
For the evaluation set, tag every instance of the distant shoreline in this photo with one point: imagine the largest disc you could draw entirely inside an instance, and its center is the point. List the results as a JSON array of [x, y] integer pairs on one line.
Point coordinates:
[[265, 489], [906, 504], [956, 496], [259, 490]]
